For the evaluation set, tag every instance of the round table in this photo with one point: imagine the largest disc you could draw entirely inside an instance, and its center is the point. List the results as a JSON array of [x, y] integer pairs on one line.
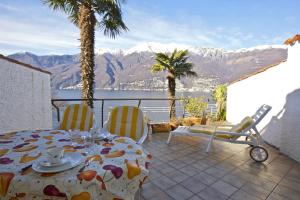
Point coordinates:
[[115, 170]]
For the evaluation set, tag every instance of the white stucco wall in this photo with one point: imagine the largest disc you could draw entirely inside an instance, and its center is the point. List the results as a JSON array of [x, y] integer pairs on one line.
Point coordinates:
[[24, 98], [278, 86]]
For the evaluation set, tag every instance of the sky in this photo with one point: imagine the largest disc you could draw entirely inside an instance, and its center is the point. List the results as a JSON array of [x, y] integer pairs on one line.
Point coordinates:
[[29, 25]]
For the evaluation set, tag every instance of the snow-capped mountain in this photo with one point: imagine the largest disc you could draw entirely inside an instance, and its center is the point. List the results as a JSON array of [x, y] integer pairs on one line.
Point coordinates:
[[130, 68], [261, 47], [155, 47]]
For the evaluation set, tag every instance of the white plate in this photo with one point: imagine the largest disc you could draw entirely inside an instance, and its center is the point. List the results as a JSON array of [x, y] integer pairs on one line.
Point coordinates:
[[46, 163], [97, 137], [75, 159]]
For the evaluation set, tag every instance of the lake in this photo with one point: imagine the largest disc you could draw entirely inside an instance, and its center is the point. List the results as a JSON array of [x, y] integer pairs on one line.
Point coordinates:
[[155, 110]]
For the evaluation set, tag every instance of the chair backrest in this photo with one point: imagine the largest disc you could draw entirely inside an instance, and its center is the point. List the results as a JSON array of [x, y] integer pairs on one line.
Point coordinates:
[[126, 121], [77, 117], [261, 113], [250, 122]]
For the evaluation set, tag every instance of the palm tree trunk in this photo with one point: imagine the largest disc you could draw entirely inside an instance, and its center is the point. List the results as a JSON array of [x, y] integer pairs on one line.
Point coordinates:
[[87, 22], [171, 91]]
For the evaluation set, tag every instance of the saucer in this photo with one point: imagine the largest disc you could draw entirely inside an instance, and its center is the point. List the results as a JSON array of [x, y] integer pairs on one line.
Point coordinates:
[[98, 137], [47, 163], [74, 159]]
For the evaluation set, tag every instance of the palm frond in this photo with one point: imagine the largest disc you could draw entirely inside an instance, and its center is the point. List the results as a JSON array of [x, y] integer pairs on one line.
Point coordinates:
[[70, 7], [111, 17], [191, 74], [109, 11], [173, 55], [176, 64], [72, 10], [157, 68], [103, 5], [162, 56], [112, 27], [164, 63], [56, 4], [181, 54]]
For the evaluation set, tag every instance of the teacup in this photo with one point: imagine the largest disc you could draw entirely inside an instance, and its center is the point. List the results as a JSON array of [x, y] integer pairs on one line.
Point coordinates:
[[55, 155]]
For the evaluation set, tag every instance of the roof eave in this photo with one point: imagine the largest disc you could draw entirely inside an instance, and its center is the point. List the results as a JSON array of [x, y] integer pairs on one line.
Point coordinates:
[[257, 72], [24, 64]]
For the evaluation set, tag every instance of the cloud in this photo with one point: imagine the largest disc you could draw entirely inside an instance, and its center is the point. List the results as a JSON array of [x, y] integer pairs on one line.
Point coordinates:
[[145, 27], [9, 8], [43, 31], [38, 37]]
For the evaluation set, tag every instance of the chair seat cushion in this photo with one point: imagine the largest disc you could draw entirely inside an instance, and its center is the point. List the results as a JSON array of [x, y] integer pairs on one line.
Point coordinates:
[[245, 123], [209, 130]]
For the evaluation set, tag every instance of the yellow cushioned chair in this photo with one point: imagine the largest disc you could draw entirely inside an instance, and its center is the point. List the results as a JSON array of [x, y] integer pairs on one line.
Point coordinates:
[[127, 121], [77, 117]]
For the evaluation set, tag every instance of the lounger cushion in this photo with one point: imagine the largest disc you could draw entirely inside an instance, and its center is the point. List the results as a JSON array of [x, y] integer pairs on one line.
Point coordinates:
[[245, 123], [210, 130]]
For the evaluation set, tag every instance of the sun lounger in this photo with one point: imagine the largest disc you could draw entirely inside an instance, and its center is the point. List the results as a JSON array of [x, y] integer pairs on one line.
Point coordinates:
[[231, 133]]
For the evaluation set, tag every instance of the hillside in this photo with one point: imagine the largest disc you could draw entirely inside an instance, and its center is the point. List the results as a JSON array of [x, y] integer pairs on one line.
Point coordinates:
[[131, 69]]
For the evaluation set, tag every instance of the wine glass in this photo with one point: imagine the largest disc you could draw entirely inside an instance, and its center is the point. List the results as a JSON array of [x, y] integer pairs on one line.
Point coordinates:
[[74, 136], [88, 142]]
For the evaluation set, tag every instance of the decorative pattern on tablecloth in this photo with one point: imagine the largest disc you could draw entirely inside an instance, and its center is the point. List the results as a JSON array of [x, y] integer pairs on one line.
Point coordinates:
[[116, 168]]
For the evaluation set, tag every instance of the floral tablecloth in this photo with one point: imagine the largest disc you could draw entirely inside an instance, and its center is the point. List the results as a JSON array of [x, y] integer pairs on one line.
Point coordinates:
[[116, 168]]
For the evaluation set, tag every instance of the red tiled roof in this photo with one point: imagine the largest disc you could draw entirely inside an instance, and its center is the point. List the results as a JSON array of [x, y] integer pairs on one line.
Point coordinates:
[[257, 72], [23, 64], [292, 40]]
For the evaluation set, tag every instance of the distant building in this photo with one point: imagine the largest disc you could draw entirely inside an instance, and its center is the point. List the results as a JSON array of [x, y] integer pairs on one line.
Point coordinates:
[[276, 85], [25, 97]]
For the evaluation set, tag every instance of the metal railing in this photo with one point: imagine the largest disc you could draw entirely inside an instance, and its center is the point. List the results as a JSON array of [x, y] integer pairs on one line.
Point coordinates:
[[210, 109], [109, 99]]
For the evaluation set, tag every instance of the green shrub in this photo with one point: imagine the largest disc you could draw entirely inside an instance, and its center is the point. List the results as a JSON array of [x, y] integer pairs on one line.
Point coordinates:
[[220, 96], [196, 106]]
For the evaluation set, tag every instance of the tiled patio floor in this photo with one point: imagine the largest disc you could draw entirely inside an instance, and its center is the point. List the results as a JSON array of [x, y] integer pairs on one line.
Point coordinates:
[[182, 170]]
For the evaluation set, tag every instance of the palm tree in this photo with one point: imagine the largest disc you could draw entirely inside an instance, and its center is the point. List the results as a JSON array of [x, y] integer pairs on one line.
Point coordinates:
[[177, 67], [87, 14]]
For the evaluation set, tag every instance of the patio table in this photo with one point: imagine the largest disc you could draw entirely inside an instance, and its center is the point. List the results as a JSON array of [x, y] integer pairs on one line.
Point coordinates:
[[115, 170]]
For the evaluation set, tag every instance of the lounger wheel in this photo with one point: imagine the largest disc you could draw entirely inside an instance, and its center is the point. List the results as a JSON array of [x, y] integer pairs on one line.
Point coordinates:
[[259, 154]]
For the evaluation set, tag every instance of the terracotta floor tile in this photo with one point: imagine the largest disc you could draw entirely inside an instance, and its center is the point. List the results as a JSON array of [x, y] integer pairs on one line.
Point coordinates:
[[183, 170]]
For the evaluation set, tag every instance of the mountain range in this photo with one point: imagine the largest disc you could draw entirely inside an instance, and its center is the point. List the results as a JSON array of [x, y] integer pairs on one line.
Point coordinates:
[[130, 69]]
